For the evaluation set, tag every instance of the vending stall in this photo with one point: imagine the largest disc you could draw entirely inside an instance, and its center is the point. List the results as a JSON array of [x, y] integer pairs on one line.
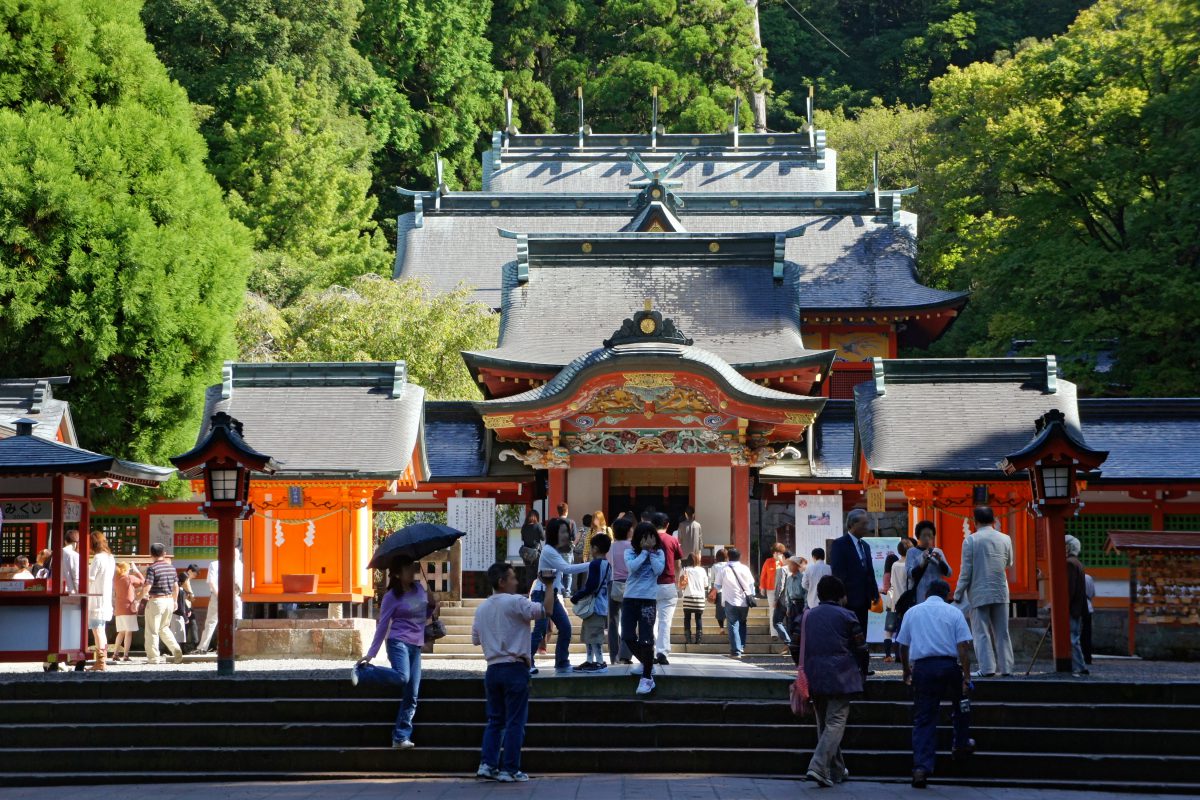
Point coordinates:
[[49, 482]]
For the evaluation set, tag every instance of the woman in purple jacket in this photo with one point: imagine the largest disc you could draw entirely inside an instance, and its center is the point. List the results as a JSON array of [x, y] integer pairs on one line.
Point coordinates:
[[402, 615], [835, 662]]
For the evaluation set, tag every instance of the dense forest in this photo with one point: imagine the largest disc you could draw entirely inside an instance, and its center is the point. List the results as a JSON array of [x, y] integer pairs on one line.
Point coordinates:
[[184, 181]]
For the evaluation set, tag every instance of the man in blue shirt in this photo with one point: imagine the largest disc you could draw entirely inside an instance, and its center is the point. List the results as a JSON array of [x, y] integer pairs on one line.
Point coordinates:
[[935, 649]]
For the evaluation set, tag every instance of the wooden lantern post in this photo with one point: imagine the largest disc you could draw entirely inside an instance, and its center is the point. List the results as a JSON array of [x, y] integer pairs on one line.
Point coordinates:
[[225, 461], [1053, 459]]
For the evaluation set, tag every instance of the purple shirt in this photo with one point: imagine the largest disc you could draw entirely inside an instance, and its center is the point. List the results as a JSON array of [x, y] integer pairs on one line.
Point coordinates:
[[616, 557], [402, 618]]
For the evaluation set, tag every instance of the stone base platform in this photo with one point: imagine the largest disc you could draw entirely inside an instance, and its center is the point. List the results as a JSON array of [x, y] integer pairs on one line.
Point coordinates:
[[340, 639]]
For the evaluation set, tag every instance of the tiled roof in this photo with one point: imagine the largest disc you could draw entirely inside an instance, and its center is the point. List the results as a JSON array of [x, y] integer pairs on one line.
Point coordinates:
[[454, 440], [33, 398], [1153, 540], [739, 313], [956, 418], [833, 445], [614, 173], [1147, 439], [324, 419], [32, 455], [843, 260], [657, 355]]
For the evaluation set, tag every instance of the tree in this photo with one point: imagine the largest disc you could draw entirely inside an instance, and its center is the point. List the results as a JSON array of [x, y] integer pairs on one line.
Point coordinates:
[[889, 49], [435, 53], [1067, 190], [119, 264], [377, 319], [298, 175], [699, 53]]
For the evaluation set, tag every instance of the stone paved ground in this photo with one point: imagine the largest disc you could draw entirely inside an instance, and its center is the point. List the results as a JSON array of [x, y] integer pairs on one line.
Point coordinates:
[[1105, 668], [583, 787]]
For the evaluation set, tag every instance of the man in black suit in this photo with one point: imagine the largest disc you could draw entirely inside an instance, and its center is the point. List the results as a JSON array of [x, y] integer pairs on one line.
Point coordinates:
[[851, 562]]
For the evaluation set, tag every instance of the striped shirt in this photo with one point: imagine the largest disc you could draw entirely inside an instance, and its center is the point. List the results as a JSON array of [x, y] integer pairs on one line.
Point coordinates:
[[162, 579]]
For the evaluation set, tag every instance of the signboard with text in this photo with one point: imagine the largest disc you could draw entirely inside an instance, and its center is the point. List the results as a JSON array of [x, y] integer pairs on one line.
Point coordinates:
[[477, 518]]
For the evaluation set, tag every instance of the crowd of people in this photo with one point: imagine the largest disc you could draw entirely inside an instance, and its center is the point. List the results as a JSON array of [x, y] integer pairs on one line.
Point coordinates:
[[625, 581]]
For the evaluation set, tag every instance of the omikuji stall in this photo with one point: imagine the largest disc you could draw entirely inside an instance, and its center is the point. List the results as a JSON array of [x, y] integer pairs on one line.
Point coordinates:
[[49, 482]]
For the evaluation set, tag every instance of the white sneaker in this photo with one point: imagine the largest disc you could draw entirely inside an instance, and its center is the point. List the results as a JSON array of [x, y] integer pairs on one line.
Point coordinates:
[[512, 777], [486, 773], [645, 686], [405, 744]]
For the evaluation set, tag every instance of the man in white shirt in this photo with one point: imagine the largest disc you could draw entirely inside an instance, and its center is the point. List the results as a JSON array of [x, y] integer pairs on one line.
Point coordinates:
[[935, 652], [816, 570], [70, 562], [210, 616], [501, 628], [736, 584], [987, 556]]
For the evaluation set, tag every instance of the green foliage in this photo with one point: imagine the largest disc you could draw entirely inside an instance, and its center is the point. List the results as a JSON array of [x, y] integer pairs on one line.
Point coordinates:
[[298, 174], [377, 319], [435, 54], [119, 264], [1067, 193], [700, 53], [895, 47]]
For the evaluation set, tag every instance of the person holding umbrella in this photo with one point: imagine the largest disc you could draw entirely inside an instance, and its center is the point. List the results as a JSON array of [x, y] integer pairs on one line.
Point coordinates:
[[403, 613]]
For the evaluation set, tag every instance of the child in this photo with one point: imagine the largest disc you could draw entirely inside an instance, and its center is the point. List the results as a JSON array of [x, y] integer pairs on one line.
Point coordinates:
[[595, 618], [693, 582]]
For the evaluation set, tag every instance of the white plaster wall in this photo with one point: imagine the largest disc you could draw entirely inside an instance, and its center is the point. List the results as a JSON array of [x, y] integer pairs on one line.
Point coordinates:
[[713, 492], [585, 492]]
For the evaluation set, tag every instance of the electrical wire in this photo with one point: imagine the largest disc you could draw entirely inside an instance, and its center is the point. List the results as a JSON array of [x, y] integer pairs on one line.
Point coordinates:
[[815, 28]]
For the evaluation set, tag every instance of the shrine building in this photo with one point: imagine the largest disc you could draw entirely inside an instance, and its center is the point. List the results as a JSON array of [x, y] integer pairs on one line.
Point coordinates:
[[703, 320]]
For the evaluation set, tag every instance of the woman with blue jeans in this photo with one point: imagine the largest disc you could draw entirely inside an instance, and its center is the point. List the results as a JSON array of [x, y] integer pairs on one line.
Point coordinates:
[[553, 561], [402, 615]]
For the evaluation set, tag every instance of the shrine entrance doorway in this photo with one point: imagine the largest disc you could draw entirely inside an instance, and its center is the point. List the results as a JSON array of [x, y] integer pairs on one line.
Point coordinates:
[[666, 490]]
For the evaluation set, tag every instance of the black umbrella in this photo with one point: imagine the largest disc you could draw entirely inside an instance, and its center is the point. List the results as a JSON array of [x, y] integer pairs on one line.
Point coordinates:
[[413, 541]]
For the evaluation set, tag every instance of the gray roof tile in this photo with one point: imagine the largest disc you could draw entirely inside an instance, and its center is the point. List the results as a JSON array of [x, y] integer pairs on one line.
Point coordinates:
[[454, 441], [313, 429], [739, 313], [844, 261], [614, 172], [959, 418], [1146, 438], [33, 398]]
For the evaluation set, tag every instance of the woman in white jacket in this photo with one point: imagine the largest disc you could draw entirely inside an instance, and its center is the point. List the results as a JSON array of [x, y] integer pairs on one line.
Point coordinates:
[[101, 573]]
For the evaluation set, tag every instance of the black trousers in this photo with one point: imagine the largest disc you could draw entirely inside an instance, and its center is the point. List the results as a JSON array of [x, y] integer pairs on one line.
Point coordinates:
[[688, 615]]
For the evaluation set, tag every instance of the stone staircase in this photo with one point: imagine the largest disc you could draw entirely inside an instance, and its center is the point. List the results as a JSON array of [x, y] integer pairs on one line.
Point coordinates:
[[458, 618], [70, 729]]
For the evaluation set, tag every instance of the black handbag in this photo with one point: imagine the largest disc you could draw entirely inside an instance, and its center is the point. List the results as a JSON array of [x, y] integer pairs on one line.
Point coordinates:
[[435, 630]]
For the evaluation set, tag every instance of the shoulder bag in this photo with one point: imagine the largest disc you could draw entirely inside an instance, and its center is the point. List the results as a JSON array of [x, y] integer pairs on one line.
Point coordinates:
[[586, 606], [800, 697], [751, 600]]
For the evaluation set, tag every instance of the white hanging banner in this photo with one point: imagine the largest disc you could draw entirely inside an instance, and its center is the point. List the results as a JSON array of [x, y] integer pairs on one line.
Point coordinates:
[[818, 520], [476, 517]]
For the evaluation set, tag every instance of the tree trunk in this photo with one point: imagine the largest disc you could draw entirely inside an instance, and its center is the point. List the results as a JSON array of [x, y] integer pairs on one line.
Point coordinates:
[[759, 100]]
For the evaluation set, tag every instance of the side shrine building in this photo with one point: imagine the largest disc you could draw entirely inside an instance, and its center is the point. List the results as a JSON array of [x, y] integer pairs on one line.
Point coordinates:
[[686, 320]]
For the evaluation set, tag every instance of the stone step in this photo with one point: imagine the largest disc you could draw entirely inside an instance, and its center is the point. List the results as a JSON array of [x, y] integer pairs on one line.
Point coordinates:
[[601, 735], [161, 761]]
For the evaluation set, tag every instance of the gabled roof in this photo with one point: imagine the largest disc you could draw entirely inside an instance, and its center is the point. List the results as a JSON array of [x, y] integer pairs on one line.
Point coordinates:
[[649, 355], [34, 398], [1147, 439], [561, 302], [833, 452], [714, 163], [953, 418], [347, 420], [845, 261], [27, 454]]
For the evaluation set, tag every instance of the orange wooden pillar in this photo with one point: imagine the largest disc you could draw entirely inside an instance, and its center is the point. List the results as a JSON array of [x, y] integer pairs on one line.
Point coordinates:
[[1053, 528], [557, 492], [739, 512]]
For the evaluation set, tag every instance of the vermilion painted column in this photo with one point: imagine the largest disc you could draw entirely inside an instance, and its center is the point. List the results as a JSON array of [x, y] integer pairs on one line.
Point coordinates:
[[739, 500], [1053, 528], [557, 492], [226, 543]]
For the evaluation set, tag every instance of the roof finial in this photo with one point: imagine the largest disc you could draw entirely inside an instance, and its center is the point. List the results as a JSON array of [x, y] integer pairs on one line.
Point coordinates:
[[649, 304], [737, 112], [653, 117], [579, 94]]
